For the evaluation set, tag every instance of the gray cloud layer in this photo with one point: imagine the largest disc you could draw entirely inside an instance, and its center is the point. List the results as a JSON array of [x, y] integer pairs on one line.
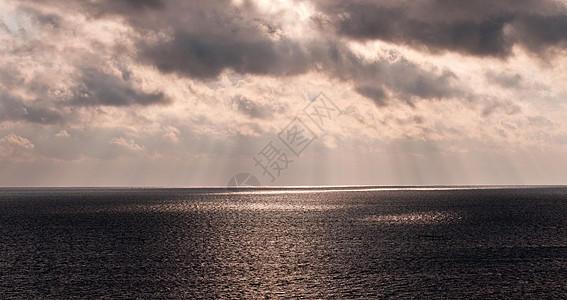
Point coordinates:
[[14, 109], [201, 39], [82, 82], [99, 88], [480, 28], [205, 56]]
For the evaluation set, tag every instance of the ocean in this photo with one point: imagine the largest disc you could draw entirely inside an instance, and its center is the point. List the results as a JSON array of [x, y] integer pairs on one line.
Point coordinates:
[[270, 243]]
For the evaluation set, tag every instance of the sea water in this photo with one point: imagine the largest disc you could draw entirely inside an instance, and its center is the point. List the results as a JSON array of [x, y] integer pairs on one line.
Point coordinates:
[[343, 242]]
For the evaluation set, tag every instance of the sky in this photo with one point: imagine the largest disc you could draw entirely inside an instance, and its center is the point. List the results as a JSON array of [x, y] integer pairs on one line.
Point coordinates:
[[191, 93]]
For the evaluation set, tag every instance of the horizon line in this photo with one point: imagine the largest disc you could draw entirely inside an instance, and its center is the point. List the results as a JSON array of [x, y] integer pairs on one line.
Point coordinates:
[[401, 186]]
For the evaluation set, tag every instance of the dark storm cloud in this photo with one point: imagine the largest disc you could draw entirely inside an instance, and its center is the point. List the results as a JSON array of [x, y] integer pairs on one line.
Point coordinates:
[[141, 4], [538, 32], [99, 88], [404, 79], [210, 37], [104, 7], [366, 21], [470, 27], [225, 37], [201, 39], [205, 56]]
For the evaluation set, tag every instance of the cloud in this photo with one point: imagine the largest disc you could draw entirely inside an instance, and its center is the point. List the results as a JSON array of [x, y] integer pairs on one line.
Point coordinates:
[[172, 134], [15, 140], [492, 105], [16, 148], [62, 134], [129, 144], [92, 82], [538, 32], [504, 79], [14, 109], [99, 88], [251, 108], [206, 55], [140, 4], [377, 95], [200, 40], [406, 80], [478, 28]]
